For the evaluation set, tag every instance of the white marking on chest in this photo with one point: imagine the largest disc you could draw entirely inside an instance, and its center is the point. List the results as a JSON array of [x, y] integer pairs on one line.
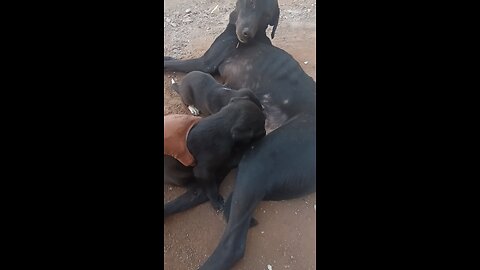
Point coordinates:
[[285, 101]]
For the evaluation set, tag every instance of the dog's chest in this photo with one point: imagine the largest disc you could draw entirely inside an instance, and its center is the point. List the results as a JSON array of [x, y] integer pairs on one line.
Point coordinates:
[[239, 71], [243, 72]]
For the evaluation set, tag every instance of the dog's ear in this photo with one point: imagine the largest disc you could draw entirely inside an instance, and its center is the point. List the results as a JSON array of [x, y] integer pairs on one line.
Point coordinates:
[[274, 21], [241, 134], [233, 17]]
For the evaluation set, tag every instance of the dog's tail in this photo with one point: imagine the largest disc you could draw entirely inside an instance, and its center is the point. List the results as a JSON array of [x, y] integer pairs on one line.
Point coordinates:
[[175, 86]]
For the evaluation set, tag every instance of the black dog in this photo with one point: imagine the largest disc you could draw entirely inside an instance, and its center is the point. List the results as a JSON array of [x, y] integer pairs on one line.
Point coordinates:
[[282, 164], [213, 146], [202, 93]]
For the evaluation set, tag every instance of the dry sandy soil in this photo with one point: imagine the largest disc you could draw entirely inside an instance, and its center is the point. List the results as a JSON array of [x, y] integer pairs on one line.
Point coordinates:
[[286, 235]]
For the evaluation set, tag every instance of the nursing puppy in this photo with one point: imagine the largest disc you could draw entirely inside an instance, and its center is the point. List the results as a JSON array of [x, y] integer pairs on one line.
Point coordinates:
[[204, 150], [202, 93]]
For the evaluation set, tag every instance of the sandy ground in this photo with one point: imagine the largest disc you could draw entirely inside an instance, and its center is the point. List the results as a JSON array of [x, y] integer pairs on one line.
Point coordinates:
[[286, 235]]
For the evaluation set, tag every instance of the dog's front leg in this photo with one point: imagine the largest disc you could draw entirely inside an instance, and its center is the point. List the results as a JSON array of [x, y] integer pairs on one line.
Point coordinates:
[[222, 47], [208, 178], [214, 196]]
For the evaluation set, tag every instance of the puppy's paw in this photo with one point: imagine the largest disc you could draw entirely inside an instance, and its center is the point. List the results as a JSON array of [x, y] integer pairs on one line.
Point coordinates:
[[193, 110], [253, 222]]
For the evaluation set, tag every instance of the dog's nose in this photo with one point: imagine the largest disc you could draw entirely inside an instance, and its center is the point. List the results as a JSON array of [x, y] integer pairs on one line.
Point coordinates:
[[245, 33]]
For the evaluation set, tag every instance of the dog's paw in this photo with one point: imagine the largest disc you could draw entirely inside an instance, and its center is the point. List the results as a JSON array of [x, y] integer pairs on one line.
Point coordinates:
[[219, 204], [219, 208], [194, 110]]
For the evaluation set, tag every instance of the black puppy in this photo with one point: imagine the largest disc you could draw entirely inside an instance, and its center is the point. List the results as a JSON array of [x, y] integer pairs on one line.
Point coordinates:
[[202, 93], [200, 152], [282, 164]]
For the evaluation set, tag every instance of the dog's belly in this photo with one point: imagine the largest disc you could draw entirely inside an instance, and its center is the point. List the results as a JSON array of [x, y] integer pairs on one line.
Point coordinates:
[[237, 73], [275, 77]]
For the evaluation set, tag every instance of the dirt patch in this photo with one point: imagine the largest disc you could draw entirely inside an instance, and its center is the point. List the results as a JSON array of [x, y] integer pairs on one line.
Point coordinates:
[[285, 237]]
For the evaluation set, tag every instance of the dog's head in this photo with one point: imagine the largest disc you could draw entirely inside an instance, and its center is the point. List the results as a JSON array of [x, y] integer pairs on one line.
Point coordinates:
[[249, 124], [251, 16]]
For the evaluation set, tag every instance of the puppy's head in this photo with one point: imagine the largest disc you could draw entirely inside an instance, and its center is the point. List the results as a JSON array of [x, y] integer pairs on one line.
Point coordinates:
[[246, 92], [251, 16], [249, 124]]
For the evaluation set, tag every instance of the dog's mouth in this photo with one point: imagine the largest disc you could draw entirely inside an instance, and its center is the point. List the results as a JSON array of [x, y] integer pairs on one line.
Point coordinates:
[[242, 39]]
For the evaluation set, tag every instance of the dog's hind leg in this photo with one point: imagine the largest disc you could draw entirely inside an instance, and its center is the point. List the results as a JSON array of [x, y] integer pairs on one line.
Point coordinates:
[[226, 212], [193, 197], [231, 248]]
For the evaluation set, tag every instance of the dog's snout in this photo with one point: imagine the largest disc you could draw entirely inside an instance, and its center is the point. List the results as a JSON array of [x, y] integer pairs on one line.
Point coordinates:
[[246, 33]]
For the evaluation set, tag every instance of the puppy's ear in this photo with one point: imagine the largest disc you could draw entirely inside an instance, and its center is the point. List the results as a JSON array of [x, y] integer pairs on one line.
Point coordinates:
[[233, 99], [241, 134], [274, 21], [257, 102]]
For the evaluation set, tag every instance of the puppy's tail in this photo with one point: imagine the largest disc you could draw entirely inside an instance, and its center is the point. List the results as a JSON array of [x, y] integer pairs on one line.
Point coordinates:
[[175, 86]]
